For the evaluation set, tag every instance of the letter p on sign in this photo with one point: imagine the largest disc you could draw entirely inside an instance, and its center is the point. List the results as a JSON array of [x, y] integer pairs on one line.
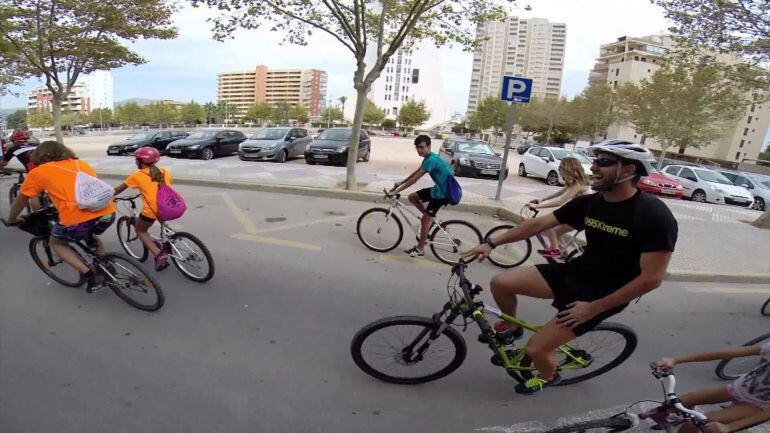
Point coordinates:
[[516, 89]]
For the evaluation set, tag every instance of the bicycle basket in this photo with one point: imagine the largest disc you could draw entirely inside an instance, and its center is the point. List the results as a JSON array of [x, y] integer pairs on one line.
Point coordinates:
[[38, 223]]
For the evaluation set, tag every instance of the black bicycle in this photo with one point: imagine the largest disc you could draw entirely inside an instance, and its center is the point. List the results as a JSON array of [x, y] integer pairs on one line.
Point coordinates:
[[766, 308], [731, 369], [123, 275], [14, 192]]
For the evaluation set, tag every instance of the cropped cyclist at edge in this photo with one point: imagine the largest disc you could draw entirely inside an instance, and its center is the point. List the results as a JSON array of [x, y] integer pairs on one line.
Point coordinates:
[[575, 184], [436, 197], [630, 238], [21, 149], [56, 171]]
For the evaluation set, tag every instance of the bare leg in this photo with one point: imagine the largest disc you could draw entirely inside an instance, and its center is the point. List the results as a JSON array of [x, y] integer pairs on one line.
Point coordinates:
[[553, 240], [541, 346], [70, 257], [424, 226], [141, 230], [715, 395], [518, 281], [725, 416], [34, 204], [561, 230], [415, 200]]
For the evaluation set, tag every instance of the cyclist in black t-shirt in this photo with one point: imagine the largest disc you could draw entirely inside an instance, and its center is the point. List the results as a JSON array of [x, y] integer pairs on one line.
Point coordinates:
[[630, 238], [20, 149]]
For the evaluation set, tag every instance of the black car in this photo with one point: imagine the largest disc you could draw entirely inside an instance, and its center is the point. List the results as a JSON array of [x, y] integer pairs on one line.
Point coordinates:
[[207, 143], [156, 139], [331, 147], [472, 158]]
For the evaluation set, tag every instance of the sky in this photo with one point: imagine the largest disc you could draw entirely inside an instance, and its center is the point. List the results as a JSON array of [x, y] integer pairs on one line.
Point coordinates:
[[186, 68]]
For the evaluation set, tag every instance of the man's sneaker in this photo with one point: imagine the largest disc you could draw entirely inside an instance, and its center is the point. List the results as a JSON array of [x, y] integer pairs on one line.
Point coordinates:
[[415, 252], [94, 281], [504, 334], [550, 253], [161, 261], [536, 384]]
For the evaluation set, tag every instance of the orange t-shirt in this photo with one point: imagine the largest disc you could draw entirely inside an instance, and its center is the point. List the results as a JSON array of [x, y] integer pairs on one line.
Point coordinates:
[[59, 183], [142, 181]]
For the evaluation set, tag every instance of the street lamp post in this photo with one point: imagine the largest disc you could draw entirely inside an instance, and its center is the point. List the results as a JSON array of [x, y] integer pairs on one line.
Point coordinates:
[[329, 113]]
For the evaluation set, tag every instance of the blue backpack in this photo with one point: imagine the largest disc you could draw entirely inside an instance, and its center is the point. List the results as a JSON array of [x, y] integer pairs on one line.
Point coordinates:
[[454, 191]]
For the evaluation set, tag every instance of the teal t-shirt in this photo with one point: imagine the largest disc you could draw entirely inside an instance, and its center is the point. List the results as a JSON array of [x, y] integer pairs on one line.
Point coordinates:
[[439, 171]]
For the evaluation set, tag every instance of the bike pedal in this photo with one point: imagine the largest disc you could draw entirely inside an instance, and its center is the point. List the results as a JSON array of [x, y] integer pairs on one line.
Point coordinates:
[[498, 361]]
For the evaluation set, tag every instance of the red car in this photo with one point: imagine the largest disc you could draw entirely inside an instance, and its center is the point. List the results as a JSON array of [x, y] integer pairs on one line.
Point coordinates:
[[657, 183]]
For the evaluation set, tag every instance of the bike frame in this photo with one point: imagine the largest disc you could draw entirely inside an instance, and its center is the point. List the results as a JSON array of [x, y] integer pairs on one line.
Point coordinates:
[[572, 240], [403, 210], [166, 232]]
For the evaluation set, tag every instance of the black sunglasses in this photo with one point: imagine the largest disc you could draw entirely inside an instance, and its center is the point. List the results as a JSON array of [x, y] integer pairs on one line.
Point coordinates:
[[605, 162]]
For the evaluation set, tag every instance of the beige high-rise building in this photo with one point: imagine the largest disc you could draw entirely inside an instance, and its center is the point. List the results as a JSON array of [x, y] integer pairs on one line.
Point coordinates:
[[631, 59], [531, 48], [305, 87]]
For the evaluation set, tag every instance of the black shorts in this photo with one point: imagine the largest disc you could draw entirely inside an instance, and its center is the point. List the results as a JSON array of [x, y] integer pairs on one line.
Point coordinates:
[[567, 288], [434, 204]]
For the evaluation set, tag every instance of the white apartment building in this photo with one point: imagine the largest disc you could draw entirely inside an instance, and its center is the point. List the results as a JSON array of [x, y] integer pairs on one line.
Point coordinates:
[[531, 48], [631, 59], [412, 75], [91, 91]]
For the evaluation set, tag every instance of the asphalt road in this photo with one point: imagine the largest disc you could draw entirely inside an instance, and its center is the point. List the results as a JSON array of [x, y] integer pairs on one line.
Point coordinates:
[[264, 346]]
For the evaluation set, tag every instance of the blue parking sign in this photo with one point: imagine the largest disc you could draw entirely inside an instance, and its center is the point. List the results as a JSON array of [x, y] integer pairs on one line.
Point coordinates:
[[516, 89]]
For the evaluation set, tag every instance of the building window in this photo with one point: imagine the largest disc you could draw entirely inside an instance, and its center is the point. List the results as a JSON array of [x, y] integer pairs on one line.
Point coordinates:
[[636, 57], [752, 108], [742, 142], [749, 121], [644, 138], [617, 71], [737, 156], [615, 85], [746, 131]]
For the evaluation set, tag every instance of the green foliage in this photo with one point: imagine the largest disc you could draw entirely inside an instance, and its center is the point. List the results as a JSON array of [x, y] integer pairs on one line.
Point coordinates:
[[130, 114], [373, 114], [332, 114], [491, 113], [682, 106], [100, 116], [299, 113], [590, 112], [210, 109], [413, 113], [39, 118], [191, 113], [388, 123], [226, 111], [258, 113], [281, 112], [17, 120]]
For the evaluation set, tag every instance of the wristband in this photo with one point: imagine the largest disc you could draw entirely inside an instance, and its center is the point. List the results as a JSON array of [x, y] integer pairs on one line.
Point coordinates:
[[490, 243]]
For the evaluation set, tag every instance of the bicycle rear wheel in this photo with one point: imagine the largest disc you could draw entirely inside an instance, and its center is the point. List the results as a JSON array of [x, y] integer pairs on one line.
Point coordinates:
[[617, 423], [52, 265], [456, 237], [731, 369], [766, 308], [125, 277], [598, 351], [508, 255], [191, 256], [129, 239], [379, 229], [400, 350]]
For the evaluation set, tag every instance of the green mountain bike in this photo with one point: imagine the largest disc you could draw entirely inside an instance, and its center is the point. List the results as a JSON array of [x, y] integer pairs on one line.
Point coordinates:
[[414, 349]]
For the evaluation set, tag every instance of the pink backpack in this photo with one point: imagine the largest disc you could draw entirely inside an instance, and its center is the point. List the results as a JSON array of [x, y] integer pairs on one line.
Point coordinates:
[[171, 205]]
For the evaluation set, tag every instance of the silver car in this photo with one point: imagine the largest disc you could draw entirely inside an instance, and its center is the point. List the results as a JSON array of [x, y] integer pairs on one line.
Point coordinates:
[[275, 144]]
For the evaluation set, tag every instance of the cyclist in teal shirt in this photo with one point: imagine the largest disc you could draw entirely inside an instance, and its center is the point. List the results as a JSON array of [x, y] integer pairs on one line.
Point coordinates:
[[436, 198]]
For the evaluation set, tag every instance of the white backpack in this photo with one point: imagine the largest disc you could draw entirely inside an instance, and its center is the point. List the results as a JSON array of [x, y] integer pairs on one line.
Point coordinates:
[[91, 193]]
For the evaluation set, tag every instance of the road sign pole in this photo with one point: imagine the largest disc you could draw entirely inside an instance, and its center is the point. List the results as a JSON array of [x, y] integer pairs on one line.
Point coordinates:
[[508, 134]]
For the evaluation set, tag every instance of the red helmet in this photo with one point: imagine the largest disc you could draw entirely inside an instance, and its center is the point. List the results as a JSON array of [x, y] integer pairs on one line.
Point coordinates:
[[147, 154], [20, 136]]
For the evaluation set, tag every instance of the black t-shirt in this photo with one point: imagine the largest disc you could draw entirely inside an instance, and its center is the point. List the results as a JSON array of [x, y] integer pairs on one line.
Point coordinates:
[[20, 152], [617, 233]]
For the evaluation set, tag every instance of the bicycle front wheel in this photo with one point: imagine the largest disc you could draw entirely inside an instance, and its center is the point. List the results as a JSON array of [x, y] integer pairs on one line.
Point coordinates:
[[595, 352], [453, 238], [766, 308], [191, 256], [731, 369], [52, 265], [125, 277], [129, 239], [508, 255], [617, 423], [403, 350], [379, 229]]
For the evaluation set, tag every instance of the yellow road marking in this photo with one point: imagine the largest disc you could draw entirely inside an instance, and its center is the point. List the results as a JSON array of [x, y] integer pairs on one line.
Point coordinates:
[[246, 222], [275, 241], [304, 224], [412, 260]]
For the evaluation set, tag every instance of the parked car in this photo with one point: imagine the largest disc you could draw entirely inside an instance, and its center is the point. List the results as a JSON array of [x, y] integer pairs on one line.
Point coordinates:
[[523, 148], [706, 185], [331, 147], [659, 184], [584, 151], [157, 139], [275, 144], [544, 162], [472, 158], [757, 184], [206, 144]]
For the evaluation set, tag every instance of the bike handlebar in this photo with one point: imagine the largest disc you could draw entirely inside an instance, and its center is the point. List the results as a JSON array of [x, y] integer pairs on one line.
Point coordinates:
[[131, 199], [668, 380], [388, 195]]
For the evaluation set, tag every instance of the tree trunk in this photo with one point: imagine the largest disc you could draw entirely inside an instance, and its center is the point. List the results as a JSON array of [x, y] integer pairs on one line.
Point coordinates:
[[681, 149], [358, 118], [56, 111], [763, 222]]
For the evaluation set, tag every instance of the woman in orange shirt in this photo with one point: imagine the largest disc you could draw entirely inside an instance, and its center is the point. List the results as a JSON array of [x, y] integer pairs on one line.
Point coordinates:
[[146, 180]]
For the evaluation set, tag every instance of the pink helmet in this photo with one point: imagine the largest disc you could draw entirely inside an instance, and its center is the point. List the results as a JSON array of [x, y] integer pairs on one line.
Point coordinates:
[[147, 154]]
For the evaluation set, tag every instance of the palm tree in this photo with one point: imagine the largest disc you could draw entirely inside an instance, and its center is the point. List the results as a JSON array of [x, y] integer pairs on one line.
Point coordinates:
[[342, 100], [210, 109]]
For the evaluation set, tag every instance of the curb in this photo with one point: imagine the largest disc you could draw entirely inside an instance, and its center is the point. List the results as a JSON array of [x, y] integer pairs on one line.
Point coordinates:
[[705, 277]]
